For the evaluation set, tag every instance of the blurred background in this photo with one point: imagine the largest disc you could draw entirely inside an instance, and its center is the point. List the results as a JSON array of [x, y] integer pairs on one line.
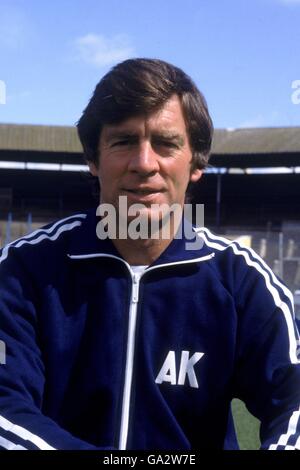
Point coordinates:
[[244, 57]]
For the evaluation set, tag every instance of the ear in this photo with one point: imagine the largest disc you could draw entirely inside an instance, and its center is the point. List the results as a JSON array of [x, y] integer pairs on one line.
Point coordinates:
[[196, 175], [93, 168]]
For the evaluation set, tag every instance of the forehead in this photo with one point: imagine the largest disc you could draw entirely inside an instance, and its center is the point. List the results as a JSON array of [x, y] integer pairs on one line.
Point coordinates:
[[167, 118]]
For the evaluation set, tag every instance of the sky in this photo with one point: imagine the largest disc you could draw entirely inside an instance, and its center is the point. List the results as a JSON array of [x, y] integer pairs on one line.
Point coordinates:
[[243, 55]]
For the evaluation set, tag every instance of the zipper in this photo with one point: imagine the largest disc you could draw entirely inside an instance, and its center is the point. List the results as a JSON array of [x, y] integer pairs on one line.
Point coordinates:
[[134, 299], [129, 359]]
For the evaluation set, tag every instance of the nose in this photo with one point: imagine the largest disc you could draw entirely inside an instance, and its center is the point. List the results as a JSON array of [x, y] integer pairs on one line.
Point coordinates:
[[144, 161]]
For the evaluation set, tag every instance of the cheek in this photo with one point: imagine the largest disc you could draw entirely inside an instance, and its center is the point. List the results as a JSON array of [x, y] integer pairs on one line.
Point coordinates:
[[109, 174], [112, 165], [104, 168], [182, 175]]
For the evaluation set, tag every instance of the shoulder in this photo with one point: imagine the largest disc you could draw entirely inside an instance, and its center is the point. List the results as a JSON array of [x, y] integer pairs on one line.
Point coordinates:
[[51, 237], [233, 251], [254, 286], [243, 269]]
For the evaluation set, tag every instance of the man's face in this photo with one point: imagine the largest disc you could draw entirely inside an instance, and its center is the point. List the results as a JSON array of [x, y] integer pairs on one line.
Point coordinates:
[[147, 159]]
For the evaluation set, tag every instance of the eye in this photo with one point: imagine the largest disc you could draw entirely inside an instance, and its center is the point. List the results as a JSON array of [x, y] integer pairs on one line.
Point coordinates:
[[168, 144], [120, 143]]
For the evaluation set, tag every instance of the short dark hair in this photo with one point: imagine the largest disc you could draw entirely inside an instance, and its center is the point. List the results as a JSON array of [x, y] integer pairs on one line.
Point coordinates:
[[141, 86]]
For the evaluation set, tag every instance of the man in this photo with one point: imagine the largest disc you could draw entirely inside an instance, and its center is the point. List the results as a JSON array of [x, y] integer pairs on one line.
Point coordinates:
[[130, 342]]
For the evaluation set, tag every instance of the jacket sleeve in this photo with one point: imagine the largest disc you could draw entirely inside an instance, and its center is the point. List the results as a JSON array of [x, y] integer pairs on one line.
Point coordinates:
[[22, 374], [267, 375]]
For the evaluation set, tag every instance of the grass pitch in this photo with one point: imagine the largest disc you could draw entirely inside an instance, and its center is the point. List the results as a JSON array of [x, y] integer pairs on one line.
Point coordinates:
[[247, 427]]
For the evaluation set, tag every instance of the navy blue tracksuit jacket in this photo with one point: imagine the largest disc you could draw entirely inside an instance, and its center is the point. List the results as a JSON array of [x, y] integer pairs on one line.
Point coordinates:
[[97, 356]]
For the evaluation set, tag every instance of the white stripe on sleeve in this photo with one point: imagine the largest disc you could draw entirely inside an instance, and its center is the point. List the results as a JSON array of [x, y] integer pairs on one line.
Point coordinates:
[[24, 434], [8, 445]]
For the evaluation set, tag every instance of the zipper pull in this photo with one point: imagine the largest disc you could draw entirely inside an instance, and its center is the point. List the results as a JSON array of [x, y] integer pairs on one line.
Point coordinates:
[[135, 288]]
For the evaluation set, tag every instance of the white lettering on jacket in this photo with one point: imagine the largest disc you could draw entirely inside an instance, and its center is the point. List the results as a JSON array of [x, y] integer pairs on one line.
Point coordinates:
[[168, 371]]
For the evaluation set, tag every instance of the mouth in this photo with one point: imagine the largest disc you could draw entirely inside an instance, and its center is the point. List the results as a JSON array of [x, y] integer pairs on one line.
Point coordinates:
[[143, 194], [143, 191]]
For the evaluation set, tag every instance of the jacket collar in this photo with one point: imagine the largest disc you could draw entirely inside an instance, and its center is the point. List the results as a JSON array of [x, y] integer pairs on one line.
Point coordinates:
[[187, 245]]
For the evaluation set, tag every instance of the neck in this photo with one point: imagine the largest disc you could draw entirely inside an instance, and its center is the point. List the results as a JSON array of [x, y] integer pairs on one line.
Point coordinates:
[[145, 250], [137, 252]]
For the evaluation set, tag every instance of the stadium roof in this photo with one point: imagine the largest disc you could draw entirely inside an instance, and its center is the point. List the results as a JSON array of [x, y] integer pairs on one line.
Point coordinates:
[[231, 147], [259, 140], [39, 138]]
